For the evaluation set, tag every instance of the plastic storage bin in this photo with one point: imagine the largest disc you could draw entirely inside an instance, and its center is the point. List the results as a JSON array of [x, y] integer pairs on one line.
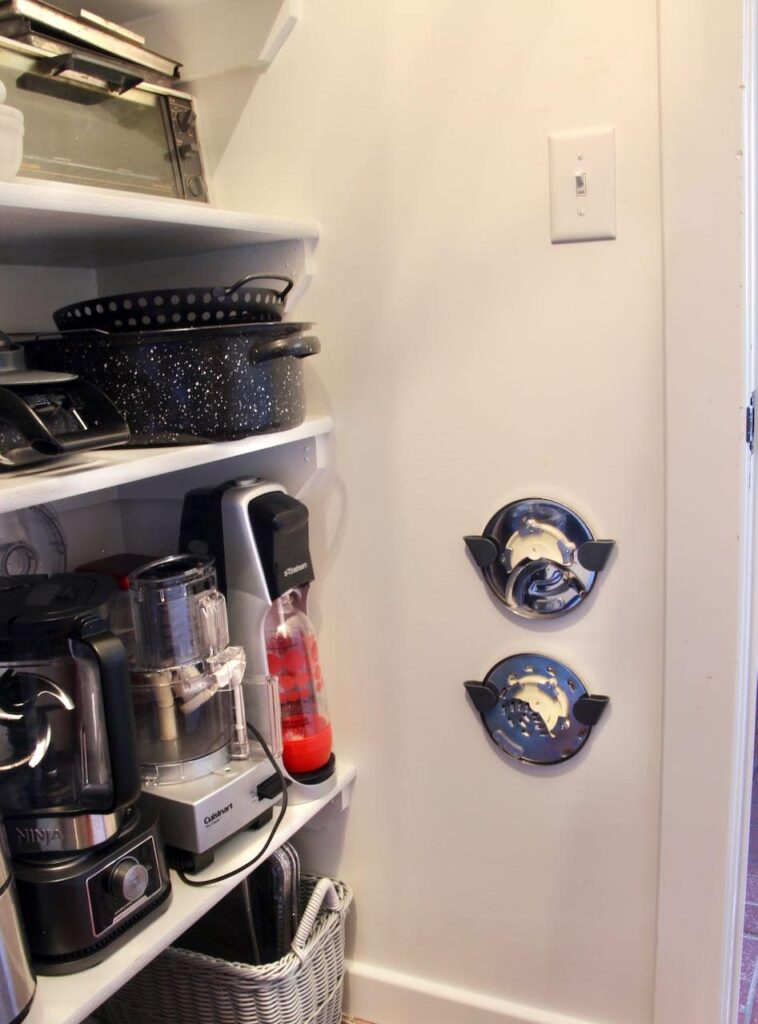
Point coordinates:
[[304, 987]]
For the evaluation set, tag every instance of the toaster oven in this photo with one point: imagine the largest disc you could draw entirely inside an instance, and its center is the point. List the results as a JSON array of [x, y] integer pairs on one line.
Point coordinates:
[[94, 120]]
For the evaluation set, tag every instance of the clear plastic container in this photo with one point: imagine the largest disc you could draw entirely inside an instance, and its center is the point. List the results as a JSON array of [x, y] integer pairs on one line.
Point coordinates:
[[179, 615], [292, 651], [187, 680]]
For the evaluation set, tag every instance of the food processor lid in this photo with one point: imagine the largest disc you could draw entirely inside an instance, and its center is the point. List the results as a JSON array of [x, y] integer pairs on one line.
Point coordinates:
[[38, 614]]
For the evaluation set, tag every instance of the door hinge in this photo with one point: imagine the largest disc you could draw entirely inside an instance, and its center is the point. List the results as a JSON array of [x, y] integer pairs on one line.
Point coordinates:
[[750, 423]]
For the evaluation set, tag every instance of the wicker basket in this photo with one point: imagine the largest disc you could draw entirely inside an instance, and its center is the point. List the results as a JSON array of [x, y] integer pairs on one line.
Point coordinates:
[[304, 987]]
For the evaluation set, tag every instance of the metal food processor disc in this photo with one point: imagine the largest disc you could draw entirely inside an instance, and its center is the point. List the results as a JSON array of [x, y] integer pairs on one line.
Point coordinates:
[[32, 542], [532, 710]]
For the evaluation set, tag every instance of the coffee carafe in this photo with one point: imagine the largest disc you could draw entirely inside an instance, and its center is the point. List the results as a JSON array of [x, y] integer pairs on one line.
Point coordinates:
[[198, 771], [89, 867]]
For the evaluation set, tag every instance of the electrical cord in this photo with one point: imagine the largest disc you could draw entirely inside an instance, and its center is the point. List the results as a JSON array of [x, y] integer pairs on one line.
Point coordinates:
[[198, 883]]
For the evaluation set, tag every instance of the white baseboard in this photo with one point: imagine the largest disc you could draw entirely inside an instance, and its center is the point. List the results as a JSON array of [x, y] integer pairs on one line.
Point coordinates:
[[389, 997]]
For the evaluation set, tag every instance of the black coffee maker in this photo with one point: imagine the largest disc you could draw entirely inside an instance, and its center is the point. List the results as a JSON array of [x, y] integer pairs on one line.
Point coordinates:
[[89, 866]]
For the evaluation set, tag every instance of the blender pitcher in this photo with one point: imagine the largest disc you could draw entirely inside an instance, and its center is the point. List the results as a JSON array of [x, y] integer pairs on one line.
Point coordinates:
[[68, 770], [186, 684]]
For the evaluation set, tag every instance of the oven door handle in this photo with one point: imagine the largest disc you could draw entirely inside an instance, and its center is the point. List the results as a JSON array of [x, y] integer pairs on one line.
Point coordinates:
[[116, 78]]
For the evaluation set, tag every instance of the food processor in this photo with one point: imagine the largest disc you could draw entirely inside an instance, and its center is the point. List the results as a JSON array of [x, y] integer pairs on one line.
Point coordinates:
[[198, 771]]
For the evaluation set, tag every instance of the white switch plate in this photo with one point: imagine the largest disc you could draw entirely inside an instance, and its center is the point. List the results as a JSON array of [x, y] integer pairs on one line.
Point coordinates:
[[583, 185]]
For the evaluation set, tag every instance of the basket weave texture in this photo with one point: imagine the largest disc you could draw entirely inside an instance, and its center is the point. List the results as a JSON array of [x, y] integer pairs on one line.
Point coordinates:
[[304, 987]]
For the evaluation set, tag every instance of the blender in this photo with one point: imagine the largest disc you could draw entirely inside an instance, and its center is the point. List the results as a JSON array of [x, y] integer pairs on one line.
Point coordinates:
[[88, 864], [198, 771]]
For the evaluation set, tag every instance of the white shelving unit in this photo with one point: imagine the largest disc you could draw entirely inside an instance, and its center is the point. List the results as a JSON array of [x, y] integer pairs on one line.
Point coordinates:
[[118, 235], [94, 241], [70, 999], [97, 471], [53, 224]]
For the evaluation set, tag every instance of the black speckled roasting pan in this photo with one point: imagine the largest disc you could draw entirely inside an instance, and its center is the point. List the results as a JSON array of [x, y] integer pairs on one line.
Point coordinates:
[[191, 385]]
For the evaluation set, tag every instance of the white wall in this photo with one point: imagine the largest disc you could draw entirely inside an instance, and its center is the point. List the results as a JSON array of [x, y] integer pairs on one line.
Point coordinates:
[[28, 295], [469, 362]]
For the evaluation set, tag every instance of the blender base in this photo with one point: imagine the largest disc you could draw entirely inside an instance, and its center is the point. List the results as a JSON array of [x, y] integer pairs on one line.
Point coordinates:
[[80, 908], [87, 958]]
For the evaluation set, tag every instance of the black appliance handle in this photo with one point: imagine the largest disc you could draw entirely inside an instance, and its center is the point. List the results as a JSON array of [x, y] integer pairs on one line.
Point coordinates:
[[290, 284], [116, 689], [116, 78], [105, 427], [298, 346], [14, 410]]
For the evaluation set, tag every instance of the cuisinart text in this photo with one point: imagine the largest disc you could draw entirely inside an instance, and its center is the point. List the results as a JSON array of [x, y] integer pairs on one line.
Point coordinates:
[[210, 818]]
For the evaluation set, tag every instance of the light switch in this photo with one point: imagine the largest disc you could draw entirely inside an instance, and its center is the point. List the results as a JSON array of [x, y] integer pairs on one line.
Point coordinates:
[[583, 185]]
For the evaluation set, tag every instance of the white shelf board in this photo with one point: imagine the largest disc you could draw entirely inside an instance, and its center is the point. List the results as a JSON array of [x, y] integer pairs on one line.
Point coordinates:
[[71, 999], [45, 223], [97, 471]]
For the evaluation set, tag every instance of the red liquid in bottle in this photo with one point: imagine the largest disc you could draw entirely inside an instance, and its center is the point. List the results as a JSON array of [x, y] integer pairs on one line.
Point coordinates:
[[293, 658]]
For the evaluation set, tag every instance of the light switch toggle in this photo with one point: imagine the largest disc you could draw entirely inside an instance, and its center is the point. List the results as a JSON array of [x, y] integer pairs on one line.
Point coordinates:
[[581, 183]]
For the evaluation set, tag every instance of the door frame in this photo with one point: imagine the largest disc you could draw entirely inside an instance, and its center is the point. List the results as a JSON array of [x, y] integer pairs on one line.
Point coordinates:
[[707, 83]]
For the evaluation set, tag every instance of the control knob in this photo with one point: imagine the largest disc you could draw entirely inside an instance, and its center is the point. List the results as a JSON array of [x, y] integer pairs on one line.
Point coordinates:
[[129, 880], [195, 186], [185, 118]]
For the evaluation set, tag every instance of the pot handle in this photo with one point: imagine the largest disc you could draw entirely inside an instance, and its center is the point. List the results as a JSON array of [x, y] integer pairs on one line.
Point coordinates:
[[298, 346], [289, 284]]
